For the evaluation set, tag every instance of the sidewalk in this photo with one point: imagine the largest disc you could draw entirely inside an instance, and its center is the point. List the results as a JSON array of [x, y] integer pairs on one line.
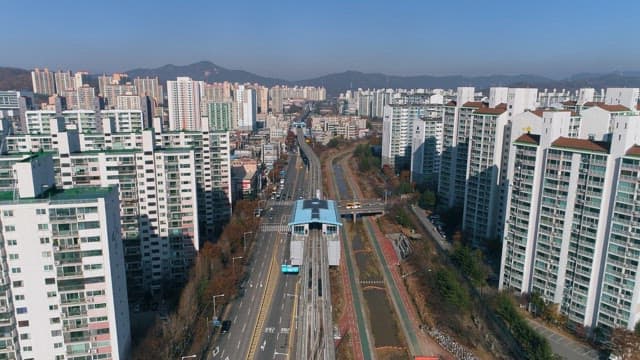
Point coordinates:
[[562, 345]]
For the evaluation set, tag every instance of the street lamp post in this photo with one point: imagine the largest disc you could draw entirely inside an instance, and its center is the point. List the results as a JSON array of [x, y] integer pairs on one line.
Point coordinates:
[[244, 239], [233, 264], [214, 303]]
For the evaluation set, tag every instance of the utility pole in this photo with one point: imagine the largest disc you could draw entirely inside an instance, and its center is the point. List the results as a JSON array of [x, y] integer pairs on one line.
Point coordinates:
[[214, 303]]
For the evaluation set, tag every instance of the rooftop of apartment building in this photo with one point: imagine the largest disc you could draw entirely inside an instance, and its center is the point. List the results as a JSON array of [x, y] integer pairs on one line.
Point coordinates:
[[581, 144], [634, 151], [610, 108], [498, 110], [529, 139], [56, 194]]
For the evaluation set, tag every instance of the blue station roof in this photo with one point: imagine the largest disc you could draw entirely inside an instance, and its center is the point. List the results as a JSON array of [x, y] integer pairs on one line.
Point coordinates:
[[315, 211]]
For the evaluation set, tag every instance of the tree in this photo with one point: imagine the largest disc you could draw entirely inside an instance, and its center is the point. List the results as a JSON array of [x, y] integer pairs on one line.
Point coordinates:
[[427, 200], [470, 263], [450, 289], [625, 344], [404, 188], [537, 304], [333, 143]]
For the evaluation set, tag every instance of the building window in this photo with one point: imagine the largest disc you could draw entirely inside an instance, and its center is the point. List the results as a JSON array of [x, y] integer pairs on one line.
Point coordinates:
[[17, 284], [44, 240], [25, 348], [50, 281], [41, 211], [14, 256], [21, 310], [12, 242], [23, 323], [9, 228], [51, 294], [56, 332], [43, 227], [19, 297], [16, 270], [53, 307], [7, 213], [48, 268], [46, 254]]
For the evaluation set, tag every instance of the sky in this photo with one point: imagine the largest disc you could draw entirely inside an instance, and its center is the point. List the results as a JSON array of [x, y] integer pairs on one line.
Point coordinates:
[[296, 40]]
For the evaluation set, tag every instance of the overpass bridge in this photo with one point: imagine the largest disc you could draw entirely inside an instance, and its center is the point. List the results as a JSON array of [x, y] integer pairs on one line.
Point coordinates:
[[366, 207]]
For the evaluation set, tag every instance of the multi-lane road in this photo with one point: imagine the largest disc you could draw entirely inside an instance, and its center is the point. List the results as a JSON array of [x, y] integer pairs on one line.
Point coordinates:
[[245, 312], [283, 316]]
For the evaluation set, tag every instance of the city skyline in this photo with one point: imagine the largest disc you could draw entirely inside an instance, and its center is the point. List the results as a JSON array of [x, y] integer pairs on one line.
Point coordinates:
[[293, 42]]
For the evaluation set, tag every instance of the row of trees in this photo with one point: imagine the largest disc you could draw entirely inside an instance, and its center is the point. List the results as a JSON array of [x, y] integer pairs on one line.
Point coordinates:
[[187, 328], [364, 157], [533, 345]]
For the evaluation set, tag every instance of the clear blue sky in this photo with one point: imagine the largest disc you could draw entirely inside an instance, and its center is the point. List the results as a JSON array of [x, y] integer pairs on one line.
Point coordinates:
[[302, 39]]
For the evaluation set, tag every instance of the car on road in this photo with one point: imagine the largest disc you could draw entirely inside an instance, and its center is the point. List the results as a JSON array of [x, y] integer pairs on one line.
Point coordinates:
[[226, 325]]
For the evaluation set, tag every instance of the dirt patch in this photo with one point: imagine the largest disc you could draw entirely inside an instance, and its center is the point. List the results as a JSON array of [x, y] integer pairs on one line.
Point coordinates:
[[383, 322], [337, 300], [367, 267], [391, 353], [344, 350]]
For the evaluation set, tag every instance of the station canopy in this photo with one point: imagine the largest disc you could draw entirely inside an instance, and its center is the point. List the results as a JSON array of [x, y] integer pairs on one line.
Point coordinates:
[[315, 211]]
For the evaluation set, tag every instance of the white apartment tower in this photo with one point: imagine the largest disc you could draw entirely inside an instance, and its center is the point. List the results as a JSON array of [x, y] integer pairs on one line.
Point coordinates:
[[426, 145], [43, 82], [397, 134], [149, 87], [572, 220], [488, 155], [65, 295], [245, 104], [64, 81], [456, 122], [184, 104]]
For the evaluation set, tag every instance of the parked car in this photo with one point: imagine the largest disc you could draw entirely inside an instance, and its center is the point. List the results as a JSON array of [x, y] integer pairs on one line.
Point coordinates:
[[226, 325]]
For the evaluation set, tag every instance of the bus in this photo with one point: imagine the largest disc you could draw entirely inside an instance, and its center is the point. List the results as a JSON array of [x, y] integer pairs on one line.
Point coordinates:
[[354, 205], [289, 269]]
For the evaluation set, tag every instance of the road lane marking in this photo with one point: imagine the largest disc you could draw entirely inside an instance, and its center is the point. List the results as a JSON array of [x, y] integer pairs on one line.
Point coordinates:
[[244, 327]]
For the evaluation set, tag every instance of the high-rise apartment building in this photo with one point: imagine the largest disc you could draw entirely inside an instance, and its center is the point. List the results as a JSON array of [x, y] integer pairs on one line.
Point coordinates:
[[221, 116], [456, 124], [82, 98], [84, 121], [397, 127], [245, 104], [38, 121], [128, 102], [65, 295], [175, 187], [280, 94], [149, 87], [112, 91], [484, 161], [43, 82], [124, 121], [572, 220], [64, 81], [426, 145], [13, 106], [183, 95]]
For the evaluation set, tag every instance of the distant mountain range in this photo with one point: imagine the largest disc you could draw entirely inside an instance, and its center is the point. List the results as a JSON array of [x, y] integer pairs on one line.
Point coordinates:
[[12, 78], [15, 79]]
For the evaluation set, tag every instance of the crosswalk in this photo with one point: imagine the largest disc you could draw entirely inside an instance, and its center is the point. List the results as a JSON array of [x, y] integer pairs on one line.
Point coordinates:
[[274, 227], [272, 330]]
